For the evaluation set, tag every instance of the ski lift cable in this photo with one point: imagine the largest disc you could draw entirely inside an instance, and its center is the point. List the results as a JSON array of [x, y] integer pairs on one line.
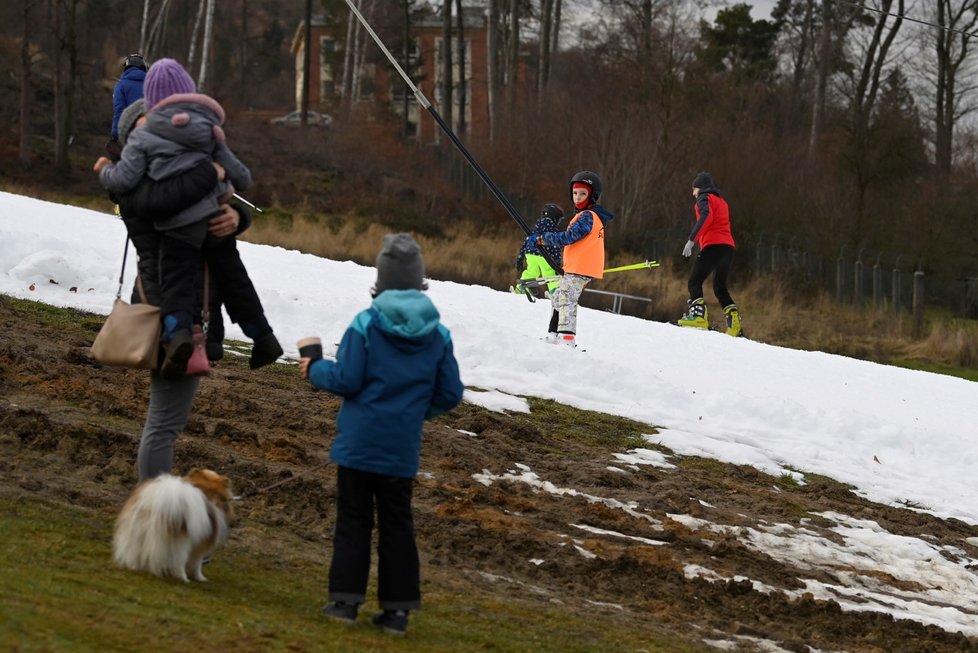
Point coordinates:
[[911, 19]]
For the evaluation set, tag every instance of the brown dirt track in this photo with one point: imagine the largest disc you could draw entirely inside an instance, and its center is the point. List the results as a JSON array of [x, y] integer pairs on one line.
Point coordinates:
[[69, 430]]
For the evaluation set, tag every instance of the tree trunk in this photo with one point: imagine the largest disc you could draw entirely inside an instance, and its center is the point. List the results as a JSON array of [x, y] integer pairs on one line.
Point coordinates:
[[492, 61], [821, 80], [26, 94], [556, 31], [143, 28], [446, 61], [462, 79], [195, 36], [409, 69], [65, 84], [346, 88], [205, 48], [513, 58], [952, 49], [306, 65], [243, 59], [543, 65]]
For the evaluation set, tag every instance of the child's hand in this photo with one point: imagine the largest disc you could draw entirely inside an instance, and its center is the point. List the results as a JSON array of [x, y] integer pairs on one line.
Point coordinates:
[[221, 173], [100, 163], [304, 367]]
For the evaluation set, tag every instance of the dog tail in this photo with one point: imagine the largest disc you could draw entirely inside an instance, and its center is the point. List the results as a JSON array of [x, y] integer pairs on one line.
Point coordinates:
[[158, 524]]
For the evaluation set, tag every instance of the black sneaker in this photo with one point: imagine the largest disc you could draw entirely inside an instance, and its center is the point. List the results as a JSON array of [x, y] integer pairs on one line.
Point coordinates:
[[392, 621], [340, 611], [177, 353], [265, 351]]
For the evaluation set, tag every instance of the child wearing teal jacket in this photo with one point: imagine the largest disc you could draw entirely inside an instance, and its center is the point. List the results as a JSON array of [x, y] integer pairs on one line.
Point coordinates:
[[395, 368]]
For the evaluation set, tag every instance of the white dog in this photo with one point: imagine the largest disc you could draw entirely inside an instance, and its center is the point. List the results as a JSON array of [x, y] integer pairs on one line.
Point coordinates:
[[170, 523]]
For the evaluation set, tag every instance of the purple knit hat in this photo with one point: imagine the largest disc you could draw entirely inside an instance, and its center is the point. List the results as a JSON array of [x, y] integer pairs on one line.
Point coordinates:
[[166, 77]]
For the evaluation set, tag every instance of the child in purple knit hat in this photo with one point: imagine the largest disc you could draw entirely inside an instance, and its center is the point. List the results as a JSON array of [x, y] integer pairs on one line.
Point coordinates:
[[183, 128]]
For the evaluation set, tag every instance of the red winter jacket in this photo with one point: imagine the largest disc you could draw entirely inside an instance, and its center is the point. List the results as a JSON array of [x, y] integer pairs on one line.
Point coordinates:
[[712, 215]]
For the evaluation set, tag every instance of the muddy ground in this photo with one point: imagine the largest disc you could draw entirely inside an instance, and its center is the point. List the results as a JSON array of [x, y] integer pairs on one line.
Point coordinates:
[[69, 430]]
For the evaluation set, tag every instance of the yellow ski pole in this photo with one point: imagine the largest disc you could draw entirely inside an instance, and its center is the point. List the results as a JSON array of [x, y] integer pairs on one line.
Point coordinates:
[[634, 266]]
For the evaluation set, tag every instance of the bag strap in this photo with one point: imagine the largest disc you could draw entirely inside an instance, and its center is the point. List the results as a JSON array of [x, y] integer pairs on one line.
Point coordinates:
[[122, 273]]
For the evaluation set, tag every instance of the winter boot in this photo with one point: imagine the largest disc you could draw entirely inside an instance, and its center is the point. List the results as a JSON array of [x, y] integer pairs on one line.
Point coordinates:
[[265, 351], [734, 326], [696, 315], [568, 339], [392, 621], [177, 352], [551, 338], [340, 611]]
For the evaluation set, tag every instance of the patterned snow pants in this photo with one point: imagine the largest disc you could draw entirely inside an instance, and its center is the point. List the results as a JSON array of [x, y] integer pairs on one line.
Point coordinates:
[[565, 298]]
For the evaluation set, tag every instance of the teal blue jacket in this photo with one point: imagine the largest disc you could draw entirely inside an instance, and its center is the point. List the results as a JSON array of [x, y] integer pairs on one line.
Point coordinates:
[[395, 367]]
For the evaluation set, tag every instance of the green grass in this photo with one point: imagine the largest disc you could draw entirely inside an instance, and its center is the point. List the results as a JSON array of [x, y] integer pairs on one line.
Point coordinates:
[[966, 373], [59, 591], [609, 431]]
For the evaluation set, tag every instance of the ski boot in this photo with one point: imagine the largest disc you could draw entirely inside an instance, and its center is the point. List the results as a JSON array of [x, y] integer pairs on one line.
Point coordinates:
[[735, 327], [696, 315]]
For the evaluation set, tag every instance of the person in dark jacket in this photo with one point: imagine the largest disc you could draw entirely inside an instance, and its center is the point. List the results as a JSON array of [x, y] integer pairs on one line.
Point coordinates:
[[127, 90], [395, 368], [712, 232], [152, 201], [183, 129], [531, 254], [170, 400]]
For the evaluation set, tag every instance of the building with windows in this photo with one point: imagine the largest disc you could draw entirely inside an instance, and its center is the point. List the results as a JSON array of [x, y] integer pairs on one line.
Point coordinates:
[[373, 79]]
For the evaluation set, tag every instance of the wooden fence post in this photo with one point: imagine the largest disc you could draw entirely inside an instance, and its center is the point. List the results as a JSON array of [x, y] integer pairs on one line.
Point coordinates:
[[878, 285], [895, 286], [918, 303]]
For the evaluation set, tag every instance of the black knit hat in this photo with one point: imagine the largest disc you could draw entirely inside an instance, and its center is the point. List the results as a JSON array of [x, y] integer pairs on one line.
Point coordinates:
[[399, 265], [703, 180]]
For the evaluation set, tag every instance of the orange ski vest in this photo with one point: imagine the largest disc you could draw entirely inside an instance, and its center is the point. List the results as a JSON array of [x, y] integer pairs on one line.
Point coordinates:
[[586, 256]]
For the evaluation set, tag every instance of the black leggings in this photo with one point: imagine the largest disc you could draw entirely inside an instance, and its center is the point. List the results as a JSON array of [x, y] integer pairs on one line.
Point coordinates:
[[716, 259]]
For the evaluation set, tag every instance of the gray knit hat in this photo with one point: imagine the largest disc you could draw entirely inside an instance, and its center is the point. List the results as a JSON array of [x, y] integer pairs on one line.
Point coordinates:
[[128, 118], [399, 265]]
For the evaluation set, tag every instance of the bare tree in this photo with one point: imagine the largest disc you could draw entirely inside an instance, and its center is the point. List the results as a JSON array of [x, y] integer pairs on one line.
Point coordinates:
[[63, 21], [446, 61], [26, 94], [346, 88], [863, 89], [195, 35], [306, 65], [205, 49], [462, 79], [950, 86], [513, 53], [492, 61], [546, 24], [143, 27]]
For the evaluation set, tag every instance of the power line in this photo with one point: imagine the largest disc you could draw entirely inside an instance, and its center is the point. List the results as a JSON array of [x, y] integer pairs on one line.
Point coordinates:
[[912, 20]]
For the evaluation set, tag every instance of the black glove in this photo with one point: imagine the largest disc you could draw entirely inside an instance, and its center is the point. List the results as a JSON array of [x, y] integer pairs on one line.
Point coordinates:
[[113, 149], [519, 263]]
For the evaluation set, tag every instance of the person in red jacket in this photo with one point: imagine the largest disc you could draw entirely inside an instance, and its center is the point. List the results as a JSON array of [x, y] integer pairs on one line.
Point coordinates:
[[583, 259], [712, 233]]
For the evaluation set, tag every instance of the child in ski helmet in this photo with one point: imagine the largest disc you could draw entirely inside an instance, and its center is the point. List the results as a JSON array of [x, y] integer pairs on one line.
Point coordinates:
[[712, 232], [583, 255], [532, 254]]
